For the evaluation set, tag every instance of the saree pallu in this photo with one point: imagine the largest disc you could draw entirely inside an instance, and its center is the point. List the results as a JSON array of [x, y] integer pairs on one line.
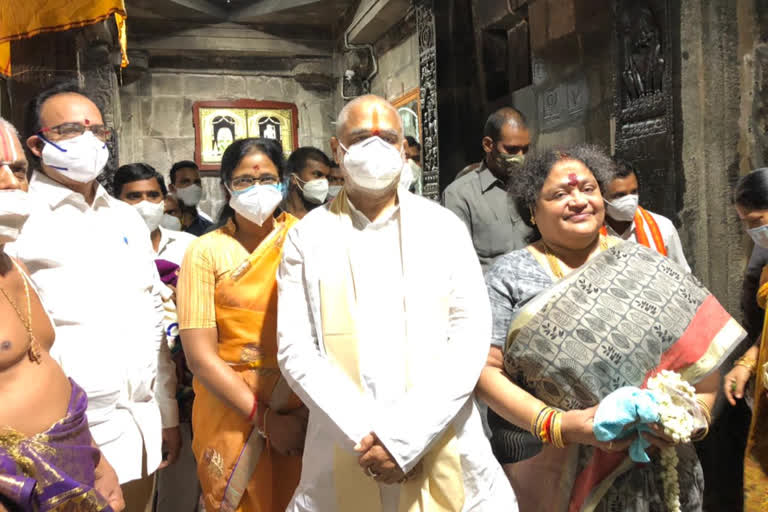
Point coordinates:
[[236, 468], [756, 455], [53, 470], [617, 321]]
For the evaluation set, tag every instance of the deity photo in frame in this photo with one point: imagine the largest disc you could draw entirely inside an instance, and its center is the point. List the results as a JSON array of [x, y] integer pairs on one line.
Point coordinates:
[[409, 108], [219, 123]]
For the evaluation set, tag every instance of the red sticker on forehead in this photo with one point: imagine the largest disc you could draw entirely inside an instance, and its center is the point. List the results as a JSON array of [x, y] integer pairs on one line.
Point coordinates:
[[573, 180], [87, 122], [256, 167], [375, 119]]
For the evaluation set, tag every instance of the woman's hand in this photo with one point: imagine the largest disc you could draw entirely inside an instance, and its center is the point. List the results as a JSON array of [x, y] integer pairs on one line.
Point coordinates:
[[577, 428], [734, 383], [287, 431]]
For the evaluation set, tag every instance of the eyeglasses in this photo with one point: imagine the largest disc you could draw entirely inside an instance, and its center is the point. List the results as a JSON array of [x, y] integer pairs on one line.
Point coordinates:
[[71, 130], [244, 182]]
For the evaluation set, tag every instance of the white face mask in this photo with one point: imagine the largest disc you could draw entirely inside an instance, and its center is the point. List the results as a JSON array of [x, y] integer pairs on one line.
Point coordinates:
[[171, 222], [314, 191], [14, 211], [80, 158], [151, 213], [333, 191], [372, 165], [622, 209], [759, 235], [410, 173], [257, 202], [190, 195]]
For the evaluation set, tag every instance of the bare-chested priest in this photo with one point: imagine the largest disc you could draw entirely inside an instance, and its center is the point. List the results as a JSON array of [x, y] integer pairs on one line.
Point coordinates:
[[47, 456]]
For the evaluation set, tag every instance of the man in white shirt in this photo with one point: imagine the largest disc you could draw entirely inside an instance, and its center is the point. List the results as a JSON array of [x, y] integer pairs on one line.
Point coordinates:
[[90, 256], [381, 306], [626, 219], [141, 186]]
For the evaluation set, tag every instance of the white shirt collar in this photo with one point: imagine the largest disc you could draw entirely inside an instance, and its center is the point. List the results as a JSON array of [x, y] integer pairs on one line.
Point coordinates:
[[360, 221], [54, 193]]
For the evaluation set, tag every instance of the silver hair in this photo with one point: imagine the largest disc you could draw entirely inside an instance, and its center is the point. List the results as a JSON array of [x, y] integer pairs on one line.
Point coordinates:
[[5, 122], [343, 117]]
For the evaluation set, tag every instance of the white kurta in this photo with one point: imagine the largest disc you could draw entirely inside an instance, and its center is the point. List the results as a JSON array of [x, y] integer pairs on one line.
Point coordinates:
[[668, 234], [94, 267], [440, 258]]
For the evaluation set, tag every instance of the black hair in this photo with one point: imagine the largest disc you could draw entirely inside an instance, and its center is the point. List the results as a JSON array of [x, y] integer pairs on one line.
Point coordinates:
[[412, 142], [232, 157], [298, 159], [751, 191], [136, 172], [35, 106], [526, 186], [623, 169], [184, 164], [498, 119]]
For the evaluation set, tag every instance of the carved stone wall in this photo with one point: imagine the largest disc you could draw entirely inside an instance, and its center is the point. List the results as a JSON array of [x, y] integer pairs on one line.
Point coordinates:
[[425, 20]]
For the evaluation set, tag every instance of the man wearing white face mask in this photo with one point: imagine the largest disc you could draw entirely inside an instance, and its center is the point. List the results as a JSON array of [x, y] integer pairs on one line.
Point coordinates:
[[626, 219], [143, 187], [90, 256], [187, 186], [381, 303], [307, 169]]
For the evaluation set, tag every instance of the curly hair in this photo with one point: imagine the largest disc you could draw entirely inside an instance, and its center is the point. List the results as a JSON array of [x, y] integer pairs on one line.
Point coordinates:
[[527, 183]]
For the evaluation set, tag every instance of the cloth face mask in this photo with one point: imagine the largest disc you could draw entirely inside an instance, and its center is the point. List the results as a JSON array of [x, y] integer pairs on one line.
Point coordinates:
[[80, 158], [190, 195], [257, 202], [314, 191], [622, 209], [510, 163], [171, 222], [333, 191], [372, 164], [151, 212], [759, 235], [14, 211]]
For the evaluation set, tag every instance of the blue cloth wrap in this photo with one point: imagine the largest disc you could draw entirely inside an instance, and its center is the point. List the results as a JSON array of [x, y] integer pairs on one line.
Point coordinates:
[[626, 411]]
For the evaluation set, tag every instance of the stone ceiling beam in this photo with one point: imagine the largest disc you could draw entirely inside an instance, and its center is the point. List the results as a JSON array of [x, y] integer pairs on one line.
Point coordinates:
[[204, 7], [374, 18], [266, 7]]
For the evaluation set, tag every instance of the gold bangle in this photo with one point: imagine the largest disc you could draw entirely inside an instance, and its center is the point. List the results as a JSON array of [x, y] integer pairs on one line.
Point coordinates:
[[557, 430], [705, 410], [537, 421], [747, 362]]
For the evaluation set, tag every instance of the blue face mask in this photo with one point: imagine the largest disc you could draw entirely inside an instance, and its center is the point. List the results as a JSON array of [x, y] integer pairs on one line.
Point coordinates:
[[759, 235], [280, 188]]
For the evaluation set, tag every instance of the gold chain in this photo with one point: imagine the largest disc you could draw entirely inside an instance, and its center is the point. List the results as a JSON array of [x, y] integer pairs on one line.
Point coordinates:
[[554, 262], [34, 351]]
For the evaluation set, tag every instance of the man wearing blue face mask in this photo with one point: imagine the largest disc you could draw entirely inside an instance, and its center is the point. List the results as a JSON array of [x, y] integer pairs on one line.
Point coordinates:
[[626, 219], [91, 257], [381, 303]]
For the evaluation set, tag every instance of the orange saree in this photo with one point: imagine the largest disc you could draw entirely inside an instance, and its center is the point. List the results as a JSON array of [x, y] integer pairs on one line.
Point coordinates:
[[236, 468], [756, 456]]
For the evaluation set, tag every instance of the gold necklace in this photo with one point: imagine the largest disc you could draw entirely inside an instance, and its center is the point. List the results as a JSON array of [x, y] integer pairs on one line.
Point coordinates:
[[554, 262], [34, 350]]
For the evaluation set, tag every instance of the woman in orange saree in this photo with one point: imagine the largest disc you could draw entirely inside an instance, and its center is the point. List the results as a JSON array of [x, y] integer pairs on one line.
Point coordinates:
[[248, 426], [751, 198]]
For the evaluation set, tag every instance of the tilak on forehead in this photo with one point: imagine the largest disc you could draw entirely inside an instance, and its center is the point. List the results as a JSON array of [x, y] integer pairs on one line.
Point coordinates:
[[375, 119], [573, 180], [8, 144]]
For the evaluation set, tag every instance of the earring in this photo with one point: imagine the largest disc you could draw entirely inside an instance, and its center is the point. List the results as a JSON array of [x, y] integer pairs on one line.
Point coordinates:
[[533, 219]]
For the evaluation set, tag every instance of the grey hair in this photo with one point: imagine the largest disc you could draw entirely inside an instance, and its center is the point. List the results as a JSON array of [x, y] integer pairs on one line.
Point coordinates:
[[6, 123], [343, 117]]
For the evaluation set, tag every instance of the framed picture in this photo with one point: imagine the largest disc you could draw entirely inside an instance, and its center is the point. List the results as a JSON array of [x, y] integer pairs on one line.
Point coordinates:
[[219, 123], [409, 108]]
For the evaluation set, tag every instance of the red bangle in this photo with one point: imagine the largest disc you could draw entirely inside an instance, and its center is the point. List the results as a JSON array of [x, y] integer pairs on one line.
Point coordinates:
[[253, 409]]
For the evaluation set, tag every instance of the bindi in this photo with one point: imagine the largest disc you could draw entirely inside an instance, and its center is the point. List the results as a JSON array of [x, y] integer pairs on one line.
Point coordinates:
[[5, 345], [573, 180], [256, 167]]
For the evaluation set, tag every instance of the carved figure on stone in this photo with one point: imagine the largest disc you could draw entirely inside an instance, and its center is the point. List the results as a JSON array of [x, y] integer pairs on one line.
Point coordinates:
[[640, 34], [358, 66]]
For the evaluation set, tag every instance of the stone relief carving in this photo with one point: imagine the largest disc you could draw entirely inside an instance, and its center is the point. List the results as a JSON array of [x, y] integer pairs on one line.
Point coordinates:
[[643, 52], [425, 25]]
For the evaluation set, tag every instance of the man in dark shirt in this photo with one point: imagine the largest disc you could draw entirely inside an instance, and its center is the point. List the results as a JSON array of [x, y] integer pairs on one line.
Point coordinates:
[[187, 186], [480, 198]]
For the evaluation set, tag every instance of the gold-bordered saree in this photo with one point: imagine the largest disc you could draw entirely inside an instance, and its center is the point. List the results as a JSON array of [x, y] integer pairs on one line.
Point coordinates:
[[617, 321], [236, 468]]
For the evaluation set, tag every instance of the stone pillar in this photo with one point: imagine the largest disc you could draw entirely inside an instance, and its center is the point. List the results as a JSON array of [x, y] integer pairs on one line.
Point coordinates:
[[430, 160]]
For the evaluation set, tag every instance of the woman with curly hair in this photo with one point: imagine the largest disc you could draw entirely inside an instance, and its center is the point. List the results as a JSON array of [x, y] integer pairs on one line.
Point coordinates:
[[577, 315]]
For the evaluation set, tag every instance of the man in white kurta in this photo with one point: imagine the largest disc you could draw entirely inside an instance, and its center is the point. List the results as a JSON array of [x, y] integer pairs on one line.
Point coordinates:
[[419, 310]]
